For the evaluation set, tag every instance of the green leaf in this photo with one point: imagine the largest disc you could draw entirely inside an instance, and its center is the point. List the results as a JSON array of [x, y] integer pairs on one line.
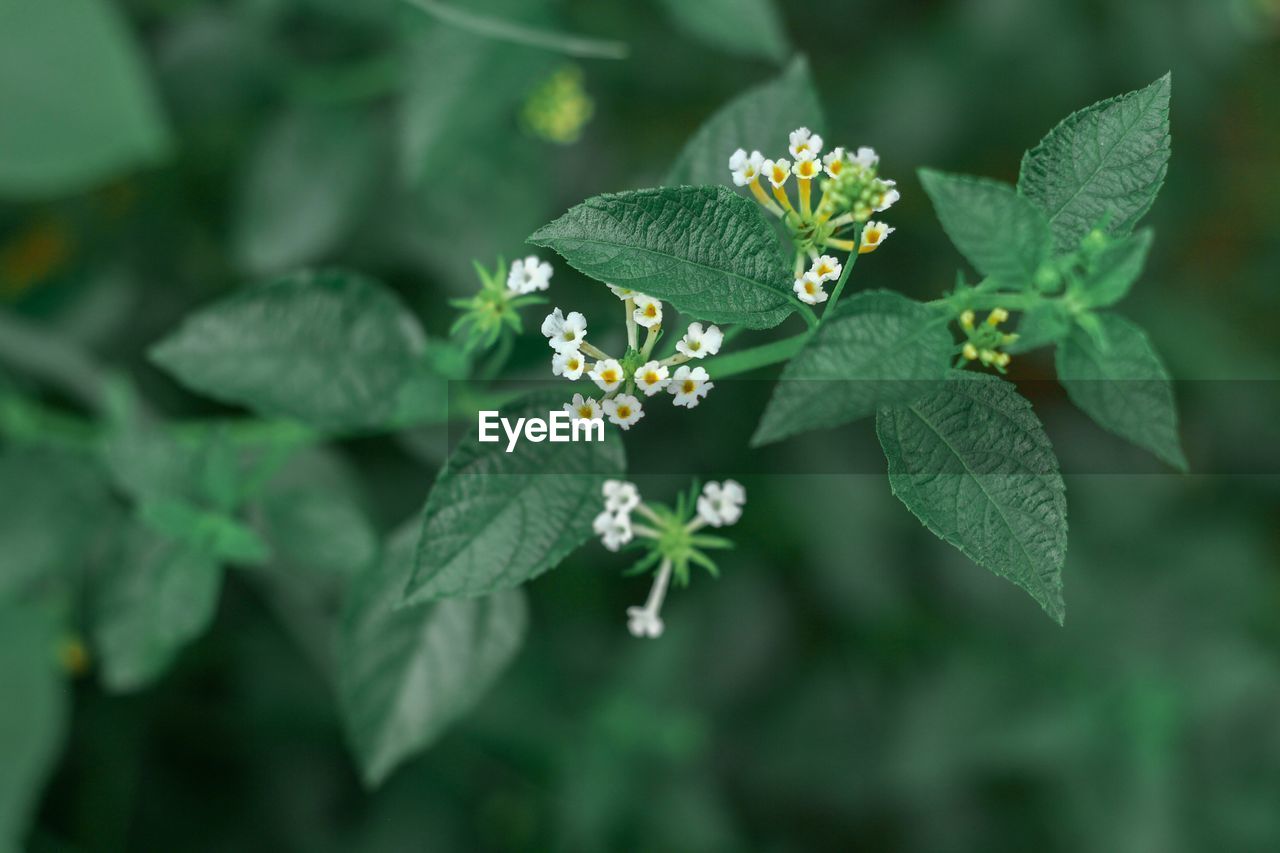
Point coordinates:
[[206, 532], [706, 250], [1104, 163], [33, 717], [78, 107], [759, 119], [495, 519], [1114, 271], [741, 27], [880, 346], [158, 595], [285, 217], [972, 462], [1121, 383], [330, 348], [407, 673], [1002, 234], [1043, 324]]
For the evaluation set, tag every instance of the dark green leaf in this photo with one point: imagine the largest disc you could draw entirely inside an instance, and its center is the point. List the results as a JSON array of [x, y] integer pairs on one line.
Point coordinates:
[[743, 27], [706, 250], [973, 463], [1114, 271]]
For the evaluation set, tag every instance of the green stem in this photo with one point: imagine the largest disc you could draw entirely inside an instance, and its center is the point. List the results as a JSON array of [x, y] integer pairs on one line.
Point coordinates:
[[746, 360], [810, 318], [844, 274], [498, 360]]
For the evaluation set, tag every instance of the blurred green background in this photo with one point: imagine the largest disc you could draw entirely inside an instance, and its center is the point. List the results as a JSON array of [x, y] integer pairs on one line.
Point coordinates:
[[851, 682]]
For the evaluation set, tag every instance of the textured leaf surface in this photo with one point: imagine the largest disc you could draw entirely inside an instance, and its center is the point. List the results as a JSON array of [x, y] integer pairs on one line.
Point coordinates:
[[406, 673], [880, 346], [1114, 271], [330, 348], [1001, 233], [495, 519], [33, 716], [973, 463], [77, 106], [756, 28], [1106, 161], [759, 119], [1123, 386], [706, 250]]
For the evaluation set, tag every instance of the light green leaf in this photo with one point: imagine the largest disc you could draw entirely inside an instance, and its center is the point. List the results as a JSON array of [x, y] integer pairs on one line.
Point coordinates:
[[1114, 271], [33, 717], [1121, 383], [286, 214], [706, 250], [742, 27], [407, 673], [206, 532], [157, 596], [78, 108], [1104, 163], [330, 348], [759, 119], [495, 519], [972, 462], [879, 346], [1002, 234]]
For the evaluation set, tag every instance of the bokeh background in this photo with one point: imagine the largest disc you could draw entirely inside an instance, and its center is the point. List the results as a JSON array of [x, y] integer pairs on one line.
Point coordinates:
[[851, 682]]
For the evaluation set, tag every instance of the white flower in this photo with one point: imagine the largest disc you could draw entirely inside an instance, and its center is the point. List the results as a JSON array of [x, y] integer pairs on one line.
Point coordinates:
[[833, 163], [890, 198], [648, 311], [699, 344], [565, 333], [826, 268], [620, 496], [623, 293], [623, 410], [805, 145], [583, 408], [607, 374], [873, 234], [721, 503], [867, 158], [807, 170], [613, 528], [652, 377], [643, 622], [809, 288], [529, 275], [777, 171], [568, 364], [745, 168], [690, 386]]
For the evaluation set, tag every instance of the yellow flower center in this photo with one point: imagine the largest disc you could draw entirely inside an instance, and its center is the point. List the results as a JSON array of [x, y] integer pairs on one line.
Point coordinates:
[[809, 288], [624, 412], [568, 336], [651, 310], [689, 386], [585, 412], [650, 378], [609, 376]]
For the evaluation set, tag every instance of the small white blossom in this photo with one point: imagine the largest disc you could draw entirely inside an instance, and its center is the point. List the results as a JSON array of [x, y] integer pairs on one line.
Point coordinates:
[[809, 288], [697, 343], [623, 410], [584, 408], [807, 170], [745, 168], [568, 364], [826, 268], [623, 293], [613, 528], [804, 144], [890, 198], [607, 374], [690, 385], [652, 377], [867, 158], [620, 496], [648, 311], [777, 171], [565, 333], [529, 275], [721, 503], [834, 162], [643, 622], [873, 234]]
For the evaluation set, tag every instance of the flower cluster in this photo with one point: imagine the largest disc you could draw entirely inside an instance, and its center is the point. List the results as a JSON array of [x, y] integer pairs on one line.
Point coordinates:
[[502, 294], [623, 380], [852, 191], [669, 535], [983, 343], [559, 108]]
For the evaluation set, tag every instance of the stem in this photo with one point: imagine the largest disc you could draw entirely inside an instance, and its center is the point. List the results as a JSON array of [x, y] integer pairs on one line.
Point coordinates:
[[594, 351], [805, 209], [744, 361], [498, 360], [810, 318], [658, 591], [630, 305], [844, 275]]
